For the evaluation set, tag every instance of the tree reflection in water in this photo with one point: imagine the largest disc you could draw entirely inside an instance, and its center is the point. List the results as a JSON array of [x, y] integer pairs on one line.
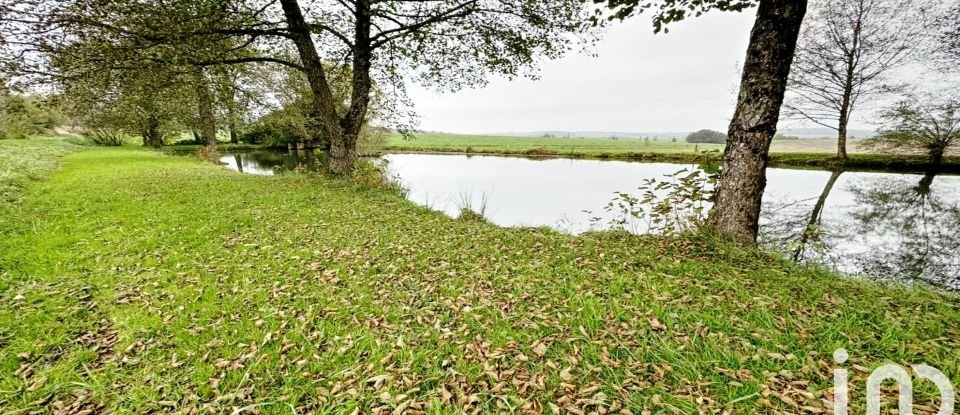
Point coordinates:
[[920, 227], [794, 228], [894, 228]]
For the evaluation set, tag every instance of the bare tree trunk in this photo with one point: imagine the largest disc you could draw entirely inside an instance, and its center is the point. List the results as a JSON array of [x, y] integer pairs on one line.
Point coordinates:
[[842, 139], [773, 40], [208, 125], [815, 216], [936, 156], [846, 100]]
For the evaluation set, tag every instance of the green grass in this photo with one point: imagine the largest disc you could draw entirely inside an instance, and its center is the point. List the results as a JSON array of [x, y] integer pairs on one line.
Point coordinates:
[[138, 282], [559, 145], [22, 161], [806, 153]]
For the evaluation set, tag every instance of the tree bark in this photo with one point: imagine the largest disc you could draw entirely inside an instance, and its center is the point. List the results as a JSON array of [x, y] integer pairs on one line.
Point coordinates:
[[151, 132], [842, 138], [208, 125], [232, 120], [846, 100], [773, 41], [341, 133], [936, 156]]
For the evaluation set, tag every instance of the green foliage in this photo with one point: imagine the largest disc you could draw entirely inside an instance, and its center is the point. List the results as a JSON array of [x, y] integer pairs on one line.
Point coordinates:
[[183, 285], [707, 136], [277, 128], [673, 205], [24, 115], [669, 11], [374, 175], [105, 137]]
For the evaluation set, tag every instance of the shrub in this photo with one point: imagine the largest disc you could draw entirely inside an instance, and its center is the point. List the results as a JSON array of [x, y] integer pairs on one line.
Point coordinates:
[[105, 137], [374, 175], [707, 136]]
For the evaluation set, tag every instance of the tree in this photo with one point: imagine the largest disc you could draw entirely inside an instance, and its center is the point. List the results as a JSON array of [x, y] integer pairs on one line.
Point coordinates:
[[927, 124], [707, 136], [108, 90], [446, 43], [946, 47], [773, 40], [844, 54]]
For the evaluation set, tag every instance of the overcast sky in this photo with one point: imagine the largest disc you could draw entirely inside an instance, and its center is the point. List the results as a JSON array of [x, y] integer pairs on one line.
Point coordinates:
[[680, 81]]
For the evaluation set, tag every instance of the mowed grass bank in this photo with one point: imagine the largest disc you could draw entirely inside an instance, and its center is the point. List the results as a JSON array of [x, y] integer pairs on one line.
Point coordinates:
[[23, 161], [135, 282]]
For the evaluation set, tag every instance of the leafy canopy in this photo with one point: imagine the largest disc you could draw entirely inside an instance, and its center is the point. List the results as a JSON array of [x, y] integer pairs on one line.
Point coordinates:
[[669, 11]]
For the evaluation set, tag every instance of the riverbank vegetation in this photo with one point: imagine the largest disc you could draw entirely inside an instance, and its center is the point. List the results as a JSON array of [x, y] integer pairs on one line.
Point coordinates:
[[193, 289], [138, 281], [801, 153]]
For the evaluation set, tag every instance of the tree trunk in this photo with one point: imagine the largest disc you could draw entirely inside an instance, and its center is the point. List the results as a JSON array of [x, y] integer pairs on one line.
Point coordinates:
[[341, 133], [936, 157], [208, 125], [323, 102], [842, 139], [815, 216], [232, 124], [846, 100], [773, 40], [151, 132]]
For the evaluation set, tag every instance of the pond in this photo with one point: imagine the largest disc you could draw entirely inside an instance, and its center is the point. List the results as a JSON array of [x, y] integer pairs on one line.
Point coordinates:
[[883, 225]]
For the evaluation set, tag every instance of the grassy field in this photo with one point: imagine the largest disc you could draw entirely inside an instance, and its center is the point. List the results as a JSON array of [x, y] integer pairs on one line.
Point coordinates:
[[587, 146], [22, 161], [560, 145], [806, 153], [137, 282]]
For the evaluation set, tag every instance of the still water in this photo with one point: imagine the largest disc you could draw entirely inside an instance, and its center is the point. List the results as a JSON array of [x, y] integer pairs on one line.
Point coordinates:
[[904, 227]]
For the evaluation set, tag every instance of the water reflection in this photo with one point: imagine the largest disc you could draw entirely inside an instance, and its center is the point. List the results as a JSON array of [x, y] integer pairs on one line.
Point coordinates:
[[918, 224], [268, 163], [884, 225]]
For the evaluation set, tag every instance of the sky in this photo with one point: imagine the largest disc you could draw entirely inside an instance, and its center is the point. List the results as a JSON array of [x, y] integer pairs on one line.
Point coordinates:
[[638, 81]]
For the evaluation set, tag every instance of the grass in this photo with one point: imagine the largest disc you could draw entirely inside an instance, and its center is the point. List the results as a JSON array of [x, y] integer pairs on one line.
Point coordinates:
[[558, 145], [22, 161], [805, 153], [138, 282]]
